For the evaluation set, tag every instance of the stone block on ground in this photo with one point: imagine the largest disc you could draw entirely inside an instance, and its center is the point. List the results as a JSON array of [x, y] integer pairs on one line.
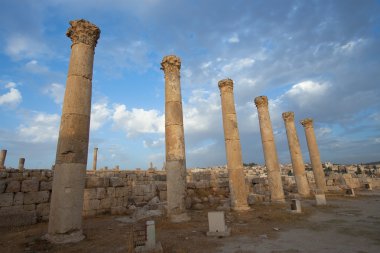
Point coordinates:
[[46, 185], [116, 182], [217, 225], [36, 197], [6, 199], [30, 185], [18, 218], [13, 186]]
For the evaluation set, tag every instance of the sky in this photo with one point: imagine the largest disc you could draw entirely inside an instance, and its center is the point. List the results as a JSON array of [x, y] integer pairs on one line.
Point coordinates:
[[319, 59]]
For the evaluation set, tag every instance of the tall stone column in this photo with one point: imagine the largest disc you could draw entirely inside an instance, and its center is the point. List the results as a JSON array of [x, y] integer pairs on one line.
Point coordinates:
[[238, 190], [94, 162], [319, 175], [269, 148], [174, 140], [21, 164], [296, 155], [3, 155], [65, 220]]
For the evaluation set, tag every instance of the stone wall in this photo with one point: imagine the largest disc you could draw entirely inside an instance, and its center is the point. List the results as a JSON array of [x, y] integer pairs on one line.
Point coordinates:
[[25, 196]]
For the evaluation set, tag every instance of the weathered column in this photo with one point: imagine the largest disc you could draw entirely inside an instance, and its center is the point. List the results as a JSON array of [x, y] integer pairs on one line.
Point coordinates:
[[3, 155], [319, 175], [269, 148], [174, 140], [94, 162], [21, 163], [238, 190], [65, 220], [296, 155]]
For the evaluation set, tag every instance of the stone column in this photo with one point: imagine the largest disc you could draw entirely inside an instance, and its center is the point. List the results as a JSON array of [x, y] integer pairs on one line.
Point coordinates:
[[296, 155], [21, 163], [3, 155], [94, 162], [174, 140], [319, 175], [269, 148], [65, 220], [238, 190]]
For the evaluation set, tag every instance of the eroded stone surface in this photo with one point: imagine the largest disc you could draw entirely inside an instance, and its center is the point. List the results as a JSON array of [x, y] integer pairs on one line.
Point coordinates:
[[174, 139], [233, 149], [296, 154], [269, 148], [315, 158]]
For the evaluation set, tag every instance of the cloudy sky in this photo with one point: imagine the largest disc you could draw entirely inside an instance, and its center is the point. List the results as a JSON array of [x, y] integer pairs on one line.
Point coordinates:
[[320, 59]]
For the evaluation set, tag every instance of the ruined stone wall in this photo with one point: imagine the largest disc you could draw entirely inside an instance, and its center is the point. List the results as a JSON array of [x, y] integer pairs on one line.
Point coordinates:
[[25, 196]]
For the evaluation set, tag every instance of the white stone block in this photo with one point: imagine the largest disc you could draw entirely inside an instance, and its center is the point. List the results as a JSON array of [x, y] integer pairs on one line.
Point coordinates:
[[320, 199], [217, 225], [295, 206]]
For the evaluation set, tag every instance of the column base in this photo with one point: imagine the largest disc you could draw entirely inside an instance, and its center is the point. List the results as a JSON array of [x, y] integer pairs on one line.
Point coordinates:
[[73, 237], [178, 218], [241, 208], [278, 201]]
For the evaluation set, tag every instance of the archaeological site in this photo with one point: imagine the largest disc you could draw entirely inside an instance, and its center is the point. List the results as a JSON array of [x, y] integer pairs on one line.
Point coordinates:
[[78, 206]]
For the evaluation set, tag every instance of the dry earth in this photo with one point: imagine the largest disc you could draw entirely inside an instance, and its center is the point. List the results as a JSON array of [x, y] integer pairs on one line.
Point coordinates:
[[346, 225]]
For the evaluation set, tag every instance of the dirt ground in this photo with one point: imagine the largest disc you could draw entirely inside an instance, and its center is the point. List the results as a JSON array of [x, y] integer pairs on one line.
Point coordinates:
[[346, 224]]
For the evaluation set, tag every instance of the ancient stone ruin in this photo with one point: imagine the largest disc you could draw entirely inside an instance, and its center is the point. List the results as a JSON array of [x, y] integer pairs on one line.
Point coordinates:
[[69, 192]]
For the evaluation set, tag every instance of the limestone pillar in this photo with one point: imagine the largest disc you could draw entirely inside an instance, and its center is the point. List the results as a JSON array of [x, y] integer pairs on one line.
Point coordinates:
[[269, 148], [65, 220], [174, 140], [3, 155], [238, 190], [319, 175], [94, 162], [21, 163], [296, 155]]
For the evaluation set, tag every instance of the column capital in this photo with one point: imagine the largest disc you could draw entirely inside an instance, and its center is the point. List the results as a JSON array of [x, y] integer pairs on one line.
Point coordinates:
[[307, 123], [170, 63], [82, 31], [288, 116], [261, 101], [226, 85]]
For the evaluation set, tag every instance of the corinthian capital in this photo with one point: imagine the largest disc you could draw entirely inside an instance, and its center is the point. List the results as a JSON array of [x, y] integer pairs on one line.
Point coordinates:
[[307, 123], [82, 31], [171, 63], [226, 85], [261, 101], [288, 116]]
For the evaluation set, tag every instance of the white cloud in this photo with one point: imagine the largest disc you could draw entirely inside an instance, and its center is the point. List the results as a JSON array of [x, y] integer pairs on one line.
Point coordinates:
[[323, 132], [12, 98], [138, 121], [234, 39], [202, 110], [42, 128], [34, 67], [154, 143], [10, 85], [237, 65], [307, 92], [56, 91], [20, 46], [100, 114]]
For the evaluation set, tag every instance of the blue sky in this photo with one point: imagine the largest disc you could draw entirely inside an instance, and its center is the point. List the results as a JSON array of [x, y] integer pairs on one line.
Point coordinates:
[[320, 59]]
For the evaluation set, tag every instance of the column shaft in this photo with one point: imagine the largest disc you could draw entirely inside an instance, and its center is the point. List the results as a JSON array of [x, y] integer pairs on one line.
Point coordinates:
[[269, 148], [3, 155], [94, 162], [296, 155], [174, 140], [65, 220], [238, 189], [21, 164], [319, 175]]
